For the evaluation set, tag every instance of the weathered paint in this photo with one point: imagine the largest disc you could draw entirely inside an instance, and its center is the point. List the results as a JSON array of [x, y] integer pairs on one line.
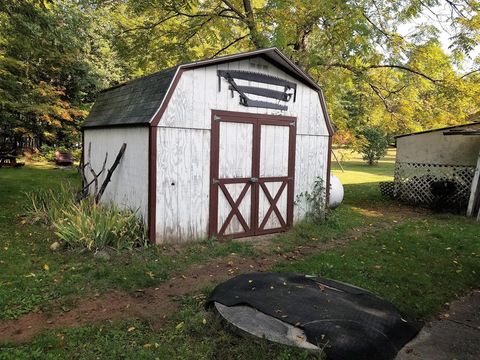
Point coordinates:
[[129, 184], [183, 145], [436, 148]]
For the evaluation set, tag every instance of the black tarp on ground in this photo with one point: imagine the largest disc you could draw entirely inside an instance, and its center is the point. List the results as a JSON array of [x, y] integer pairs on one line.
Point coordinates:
[[349, 322]]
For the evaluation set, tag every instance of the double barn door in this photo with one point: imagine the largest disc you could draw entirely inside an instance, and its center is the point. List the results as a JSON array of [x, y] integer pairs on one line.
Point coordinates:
[[252, 174]]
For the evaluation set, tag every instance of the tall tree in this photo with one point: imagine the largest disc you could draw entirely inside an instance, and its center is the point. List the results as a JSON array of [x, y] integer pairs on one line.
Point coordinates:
[[54, 56], [352, 48]]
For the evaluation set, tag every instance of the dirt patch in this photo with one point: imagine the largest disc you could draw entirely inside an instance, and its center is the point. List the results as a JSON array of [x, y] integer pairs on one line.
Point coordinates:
[[156, 304], [152, 304]]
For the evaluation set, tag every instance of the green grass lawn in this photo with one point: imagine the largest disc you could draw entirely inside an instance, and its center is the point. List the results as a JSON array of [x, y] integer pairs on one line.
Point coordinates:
[[26, 285], [419, 263]]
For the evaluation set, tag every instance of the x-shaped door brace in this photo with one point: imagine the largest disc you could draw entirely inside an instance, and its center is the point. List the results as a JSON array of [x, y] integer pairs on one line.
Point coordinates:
[[273, 204], [234, 205]]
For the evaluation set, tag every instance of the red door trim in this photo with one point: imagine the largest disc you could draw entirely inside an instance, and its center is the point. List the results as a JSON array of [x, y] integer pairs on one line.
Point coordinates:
[[214, 157], [215, 183], [273, 205], [235, 211]]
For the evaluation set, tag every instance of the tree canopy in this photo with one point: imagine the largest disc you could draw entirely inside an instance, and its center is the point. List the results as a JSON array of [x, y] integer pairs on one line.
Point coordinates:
[[55, 55]]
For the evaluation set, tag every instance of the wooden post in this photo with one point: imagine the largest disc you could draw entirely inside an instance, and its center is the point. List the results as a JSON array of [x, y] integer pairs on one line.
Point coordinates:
[[475, 192], [338, 162]]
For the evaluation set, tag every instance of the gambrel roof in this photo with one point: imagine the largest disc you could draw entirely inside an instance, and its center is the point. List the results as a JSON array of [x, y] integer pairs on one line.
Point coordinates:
[[131, 103], [136, 102]]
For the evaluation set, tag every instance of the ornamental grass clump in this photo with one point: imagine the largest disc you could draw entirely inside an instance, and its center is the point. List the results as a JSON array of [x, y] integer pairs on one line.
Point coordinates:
[[84, 224], [46, 205]]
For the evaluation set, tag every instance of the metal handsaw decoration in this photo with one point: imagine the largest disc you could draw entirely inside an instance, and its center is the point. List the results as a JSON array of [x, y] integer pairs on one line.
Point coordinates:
[[284, 96]]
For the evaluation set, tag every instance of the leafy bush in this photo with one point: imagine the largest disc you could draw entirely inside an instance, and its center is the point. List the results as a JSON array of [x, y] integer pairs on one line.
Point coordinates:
[[86, 224], [372, 144], [315, 201], [47, 152]]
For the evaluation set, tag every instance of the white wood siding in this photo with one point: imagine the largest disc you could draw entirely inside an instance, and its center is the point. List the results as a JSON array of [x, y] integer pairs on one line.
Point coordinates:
[[183, 145], [129, 185], [183, 171], [235, 150], [197, 94], [310, 162]]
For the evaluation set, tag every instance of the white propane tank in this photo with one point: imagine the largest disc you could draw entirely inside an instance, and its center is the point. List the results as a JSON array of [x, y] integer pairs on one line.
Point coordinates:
[[336, 192]]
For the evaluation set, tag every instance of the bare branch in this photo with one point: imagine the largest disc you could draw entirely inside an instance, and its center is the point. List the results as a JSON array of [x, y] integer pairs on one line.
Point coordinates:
[[229, 45], [359, 70], [405, 68], [234, 9], [110, 173], [469, 73]]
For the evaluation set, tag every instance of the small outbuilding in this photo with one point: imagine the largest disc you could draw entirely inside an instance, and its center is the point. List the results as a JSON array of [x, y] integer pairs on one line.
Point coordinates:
[[220, 147], [442, 160]]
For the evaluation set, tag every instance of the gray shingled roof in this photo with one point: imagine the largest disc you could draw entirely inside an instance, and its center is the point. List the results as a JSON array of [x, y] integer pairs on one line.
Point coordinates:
[[134, 102]]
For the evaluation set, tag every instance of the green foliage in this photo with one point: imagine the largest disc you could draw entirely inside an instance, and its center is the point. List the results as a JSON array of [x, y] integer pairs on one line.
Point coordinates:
[[47, 152], [314, 201], [85, 224], [371, 73], [46, 205], [53, 59], [97, 226], [372, 144]]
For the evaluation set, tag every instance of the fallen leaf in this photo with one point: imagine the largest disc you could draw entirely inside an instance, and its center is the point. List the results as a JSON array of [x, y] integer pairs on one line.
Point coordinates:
[[46, 267], [179, 325], [204, 321], [131, 328]]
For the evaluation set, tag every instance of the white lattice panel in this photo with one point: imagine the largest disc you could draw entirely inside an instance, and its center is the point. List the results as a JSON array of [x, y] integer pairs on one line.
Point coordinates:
[[413, 182]]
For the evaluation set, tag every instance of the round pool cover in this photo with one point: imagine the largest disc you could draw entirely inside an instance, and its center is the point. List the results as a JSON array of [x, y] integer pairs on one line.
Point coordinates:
[[315, 313]]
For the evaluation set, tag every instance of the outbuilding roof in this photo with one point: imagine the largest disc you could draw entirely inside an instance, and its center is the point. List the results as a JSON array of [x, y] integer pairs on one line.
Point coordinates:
[[131, 103], [136, 102], [450, 129]]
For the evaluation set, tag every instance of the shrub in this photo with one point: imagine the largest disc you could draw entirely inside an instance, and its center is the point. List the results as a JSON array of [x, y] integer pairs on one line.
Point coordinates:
[[372, 144], [47, 152], [84, 223], [316, 208]]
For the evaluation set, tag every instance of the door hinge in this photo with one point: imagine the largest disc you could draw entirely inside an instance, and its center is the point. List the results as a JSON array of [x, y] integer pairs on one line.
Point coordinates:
[[215, 181], [216, 118], [292, 123]]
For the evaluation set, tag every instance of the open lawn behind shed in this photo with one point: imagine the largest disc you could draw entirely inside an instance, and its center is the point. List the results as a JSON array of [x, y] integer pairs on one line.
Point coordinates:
[[414, 258]]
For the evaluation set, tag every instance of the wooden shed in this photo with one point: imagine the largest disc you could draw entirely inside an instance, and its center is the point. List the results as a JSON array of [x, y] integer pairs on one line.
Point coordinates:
[[220, 147], [449, 154]]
